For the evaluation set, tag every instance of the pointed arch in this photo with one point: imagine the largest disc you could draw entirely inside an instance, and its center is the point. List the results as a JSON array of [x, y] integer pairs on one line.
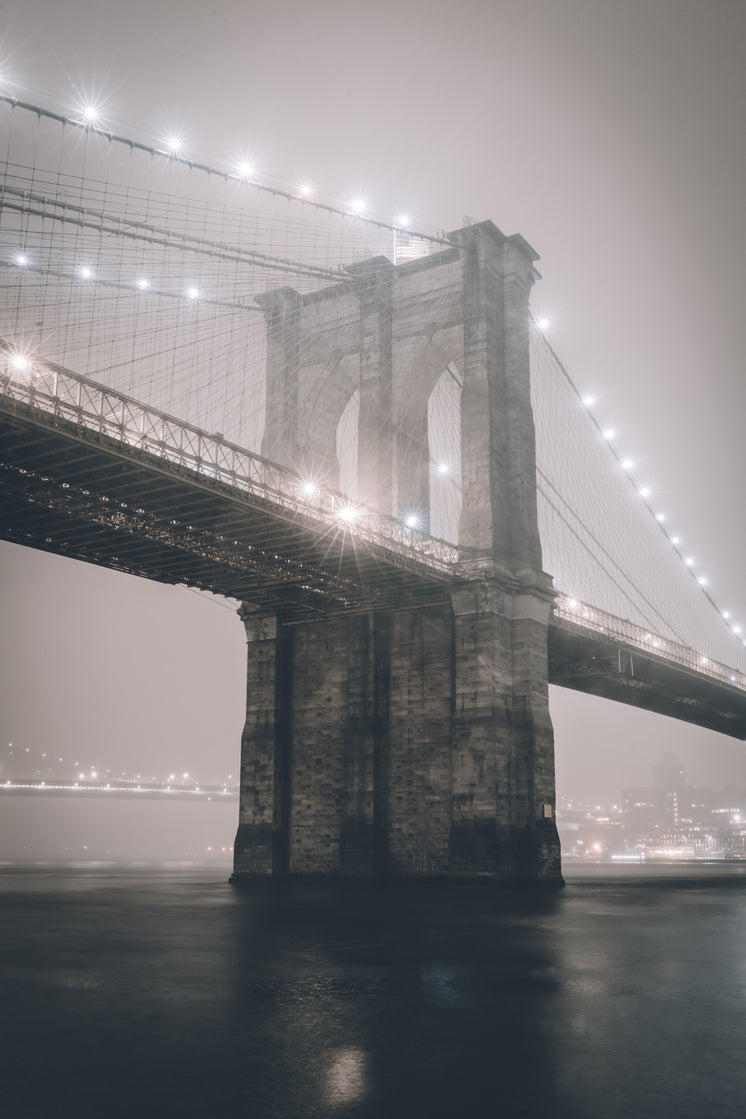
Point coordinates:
[[347, 446], [444, 433]]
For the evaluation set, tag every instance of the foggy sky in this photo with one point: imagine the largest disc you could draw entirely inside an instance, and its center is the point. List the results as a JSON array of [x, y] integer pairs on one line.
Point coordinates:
[[608, 132]]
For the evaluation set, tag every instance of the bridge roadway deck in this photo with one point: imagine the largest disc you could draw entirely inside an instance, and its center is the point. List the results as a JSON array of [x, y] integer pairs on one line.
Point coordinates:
[[114, 790], [78, 492], [599, 664]]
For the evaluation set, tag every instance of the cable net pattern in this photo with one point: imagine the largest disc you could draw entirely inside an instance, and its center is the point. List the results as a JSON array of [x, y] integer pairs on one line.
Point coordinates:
[[142, 271], [600, 538]]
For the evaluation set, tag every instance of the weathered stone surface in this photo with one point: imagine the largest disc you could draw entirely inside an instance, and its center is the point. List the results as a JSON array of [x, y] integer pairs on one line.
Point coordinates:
[[258, 844], [413, 743]]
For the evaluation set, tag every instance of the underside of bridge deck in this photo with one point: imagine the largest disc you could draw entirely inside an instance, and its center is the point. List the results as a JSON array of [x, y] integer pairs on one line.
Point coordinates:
[[600, 665], [82, 494]]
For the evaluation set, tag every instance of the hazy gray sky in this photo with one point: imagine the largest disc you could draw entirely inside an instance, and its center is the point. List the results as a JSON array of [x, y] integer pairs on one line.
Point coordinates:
[[610, 134]]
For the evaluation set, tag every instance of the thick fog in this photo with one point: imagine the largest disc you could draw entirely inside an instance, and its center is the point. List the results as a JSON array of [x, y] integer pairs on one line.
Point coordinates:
[[610, 135]]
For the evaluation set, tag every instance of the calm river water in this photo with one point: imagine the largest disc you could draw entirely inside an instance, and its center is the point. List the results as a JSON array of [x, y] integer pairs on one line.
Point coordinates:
[[135, 991]]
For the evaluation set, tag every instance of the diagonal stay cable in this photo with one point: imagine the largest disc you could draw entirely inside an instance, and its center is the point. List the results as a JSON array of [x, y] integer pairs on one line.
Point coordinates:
[[611, 559]]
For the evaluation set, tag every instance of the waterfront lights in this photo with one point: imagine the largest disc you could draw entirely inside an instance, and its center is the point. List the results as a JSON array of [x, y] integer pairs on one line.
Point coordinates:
[[357, 206], [174, 144], [443, 468], [589, 401], [143, 284], [192, 293], [675, 540], [689, 561], [702, 581], [85, 272], [543, 323], [347, 513], [412, 521], [21, 260], [627, 464], [305, 190], [608, 434], [660, 517], [90, 114], [645, 491], [402, 221], [309, 489], [19, 362], [245, 169]]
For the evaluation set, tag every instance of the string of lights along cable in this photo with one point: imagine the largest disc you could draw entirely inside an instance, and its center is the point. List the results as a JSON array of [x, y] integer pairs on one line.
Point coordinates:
[[137, 266]]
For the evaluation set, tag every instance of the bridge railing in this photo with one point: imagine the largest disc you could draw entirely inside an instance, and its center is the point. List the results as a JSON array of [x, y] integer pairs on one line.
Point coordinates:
[[591, 618], [94, 407]]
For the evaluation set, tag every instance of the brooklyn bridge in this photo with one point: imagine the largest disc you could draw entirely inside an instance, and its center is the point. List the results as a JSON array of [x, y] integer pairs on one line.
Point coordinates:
[[359, 433]]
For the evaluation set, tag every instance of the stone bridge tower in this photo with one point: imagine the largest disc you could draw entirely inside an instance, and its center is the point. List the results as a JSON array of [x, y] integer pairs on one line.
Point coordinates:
[[409, 743]]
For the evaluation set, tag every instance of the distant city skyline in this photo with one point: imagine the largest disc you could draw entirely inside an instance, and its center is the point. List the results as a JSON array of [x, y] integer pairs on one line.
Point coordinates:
[[665, 819]]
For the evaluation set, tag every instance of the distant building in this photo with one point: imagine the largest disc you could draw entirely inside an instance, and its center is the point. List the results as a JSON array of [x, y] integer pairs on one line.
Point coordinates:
[[668, 820]]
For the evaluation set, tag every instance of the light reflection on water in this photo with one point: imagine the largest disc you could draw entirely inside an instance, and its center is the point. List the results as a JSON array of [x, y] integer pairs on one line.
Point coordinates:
[[345, 1079]]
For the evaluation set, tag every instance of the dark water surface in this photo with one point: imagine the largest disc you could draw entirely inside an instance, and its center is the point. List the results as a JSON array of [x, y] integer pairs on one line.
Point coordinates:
[[166, 992]]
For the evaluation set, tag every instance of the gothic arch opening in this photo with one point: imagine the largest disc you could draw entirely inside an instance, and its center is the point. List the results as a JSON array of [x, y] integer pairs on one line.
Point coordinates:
[[347, 446], [444, 432]]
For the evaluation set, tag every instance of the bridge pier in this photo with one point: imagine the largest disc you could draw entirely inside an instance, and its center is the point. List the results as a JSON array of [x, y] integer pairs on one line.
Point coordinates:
[[414, 740], [408, 744]]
